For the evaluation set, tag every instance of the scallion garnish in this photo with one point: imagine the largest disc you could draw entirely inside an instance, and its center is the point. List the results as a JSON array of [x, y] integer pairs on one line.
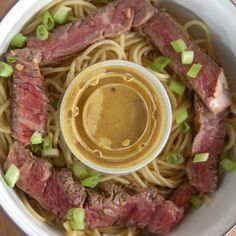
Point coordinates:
[[36, 138], [79, 170], [75, 217], [5, 70], [54, 102], [42, 32], [19, 40], [200, 157], [175, 158], [12, 175], [178, 45], [91, 182], [47, 143], [181, 115], [185, 127], [36, 149], [48, 20], [59, 161], [177, 87], [160, 63], [196, 201], [228, 165], [194, 70], [187, 57], [92, 172], [62, 14], [11, 59], [53, 152]]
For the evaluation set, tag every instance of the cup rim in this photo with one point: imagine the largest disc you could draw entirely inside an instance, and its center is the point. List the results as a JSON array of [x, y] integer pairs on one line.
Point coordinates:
[[166, 101]]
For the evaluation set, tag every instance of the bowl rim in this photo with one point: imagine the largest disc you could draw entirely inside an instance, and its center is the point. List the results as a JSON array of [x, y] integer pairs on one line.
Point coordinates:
[[11, 23]]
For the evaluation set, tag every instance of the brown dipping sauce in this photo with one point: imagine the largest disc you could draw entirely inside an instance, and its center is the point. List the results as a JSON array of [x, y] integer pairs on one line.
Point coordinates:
[[112, 116]]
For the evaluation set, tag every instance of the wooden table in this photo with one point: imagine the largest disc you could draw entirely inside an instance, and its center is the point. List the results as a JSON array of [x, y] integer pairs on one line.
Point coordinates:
[[7, 227]]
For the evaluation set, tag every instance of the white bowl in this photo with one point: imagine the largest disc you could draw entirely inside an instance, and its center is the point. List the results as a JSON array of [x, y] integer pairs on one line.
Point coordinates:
[[214, 220]]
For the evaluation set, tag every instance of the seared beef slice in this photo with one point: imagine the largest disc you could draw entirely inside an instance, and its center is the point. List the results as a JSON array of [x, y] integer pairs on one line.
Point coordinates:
[[29, 101]]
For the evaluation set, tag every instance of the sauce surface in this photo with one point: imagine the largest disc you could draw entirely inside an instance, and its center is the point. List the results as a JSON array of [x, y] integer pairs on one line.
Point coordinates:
[[112, 116], [115, 116]]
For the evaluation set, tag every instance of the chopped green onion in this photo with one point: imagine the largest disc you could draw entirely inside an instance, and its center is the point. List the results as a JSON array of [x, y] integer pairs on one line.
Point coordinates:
[[12, 175], [19, 40], [69, 214], [200, 157], [196, 201], [36, 149], [91, 182], [53, 152], [228, 165], [48, 20], [160, 63], [42, 32], [181, 115], [11, 59], [75, 217], [79, 170], [178, 45], [175, 158], [62, 14], [177, 87], [59, 161], [187, 57], [5, 70], [185, 127], [54, 102], [194, 70], [47, 143], [36, 138], [92, 172]]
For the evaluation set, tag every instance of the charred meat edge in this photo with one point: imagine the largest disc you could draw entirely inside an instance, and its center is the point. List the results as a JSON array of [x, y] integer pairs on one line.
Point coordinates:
[[107, 22], [209, 138], [29, 103], [210, 84], [109, 203]]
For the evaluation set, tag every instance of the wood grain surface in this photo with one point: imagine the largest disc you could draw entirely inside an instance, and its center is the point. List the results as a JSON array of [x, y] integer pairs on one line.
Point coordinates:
[[7, 227]]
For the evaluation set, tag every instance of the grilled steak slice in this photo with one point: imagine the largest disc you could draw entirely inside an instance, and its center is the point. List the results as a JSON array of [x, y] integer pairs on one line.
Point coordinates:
[[107, 204], [211, 131], [108, 22], [112, 203], [55, 190], [210, 83], [29, 101], [181, 196]]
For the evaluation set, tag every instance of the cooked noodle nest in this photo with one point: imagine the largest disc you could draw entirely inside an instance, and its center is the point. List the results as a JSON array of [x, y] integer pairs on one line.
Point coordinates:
[[129, 46]]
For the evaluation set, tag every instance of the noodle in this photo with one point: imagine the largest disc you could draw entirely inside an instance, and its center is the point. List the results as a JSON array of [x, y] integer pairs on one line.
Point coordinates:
[[131, 46]]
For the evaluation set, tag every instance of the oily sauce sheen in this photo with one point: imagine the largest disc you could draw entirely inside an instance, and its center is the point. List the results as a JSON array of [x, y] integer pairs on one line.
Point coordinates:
[[114, 116]]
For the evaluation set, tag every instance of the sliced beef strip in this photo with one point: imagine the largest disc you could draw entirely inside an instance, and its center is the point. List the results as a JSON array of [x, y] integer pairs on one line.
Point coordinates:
[[112, 203], [55, 190], [210, 83], [107, 22], [107, 204], [29, 101], [210, 134], [182, 195]]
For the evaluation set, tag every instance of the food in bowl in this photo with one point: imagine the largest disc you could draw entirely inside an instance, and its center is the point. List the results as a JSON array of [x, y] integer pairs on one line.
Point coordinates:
[[150, 190], [115, 116]]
